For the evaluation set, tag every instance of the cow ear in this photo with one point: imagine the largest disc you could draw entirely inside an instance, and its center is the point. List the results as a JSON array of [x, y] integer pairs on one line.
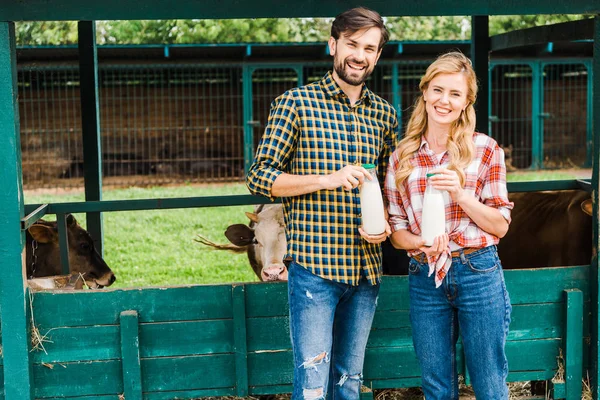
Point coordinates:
[[252, 216], [71, 221], [42, 233], [586, 206], [240, 234]]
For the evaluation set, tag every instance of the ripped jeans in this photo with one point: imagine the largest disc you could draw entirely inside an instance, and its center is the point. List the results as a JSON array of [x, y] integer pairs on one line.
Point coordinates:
[[329, 328]]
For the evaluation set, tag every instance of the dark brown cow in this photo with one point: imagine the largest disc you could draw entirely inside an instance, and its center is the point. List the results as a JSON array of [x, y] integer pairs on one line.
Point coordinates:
[[263, 239], [43, 254], [548, 229]]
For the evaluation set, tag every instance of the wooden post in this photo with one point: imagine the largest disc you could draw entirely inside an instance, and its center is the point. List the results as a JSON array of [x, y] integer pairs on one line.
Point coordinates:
[[90, 126], [239, 334], [18, 376], [480, 49], [595, 321], [130, 355], [574, 343]]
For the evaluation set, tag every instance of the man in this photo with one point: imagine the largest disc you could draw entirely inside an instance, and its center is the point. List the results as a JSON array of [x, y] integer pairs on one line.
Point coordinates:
[[311, 153]]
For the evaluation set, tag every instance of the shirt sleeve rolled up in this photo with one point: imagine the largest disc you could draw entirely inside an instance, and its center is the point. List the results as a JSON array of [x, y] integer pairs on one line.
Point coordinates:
[[276, 146]]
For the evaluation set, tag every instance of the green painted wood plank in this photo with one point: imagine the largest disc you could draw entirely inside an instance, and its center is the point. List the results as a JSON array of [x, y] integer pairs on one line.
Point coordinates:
[[164, 9], [266, 300], [393, 383], [552, 280], [186, 338], [239, 335], [541, 321], [78, 379], [13, 314], [189, 394], [559, 390], [130, 355], [533, 355], [107, 397], [88, 307], [261, 390], [156, 340], [523, 376], [574, 343], [158, 374], [188, 373]]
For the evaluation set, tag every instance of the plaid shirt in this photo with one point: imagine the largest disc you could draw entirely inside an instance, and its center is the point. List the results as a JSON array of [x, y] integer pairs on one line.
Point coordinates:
[[485, 180], [314, 130]]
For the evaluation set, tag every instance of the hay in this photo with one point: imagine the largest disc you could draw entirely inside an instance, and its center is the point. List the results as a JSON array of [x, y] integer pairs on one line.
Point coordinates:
[[37, 339]]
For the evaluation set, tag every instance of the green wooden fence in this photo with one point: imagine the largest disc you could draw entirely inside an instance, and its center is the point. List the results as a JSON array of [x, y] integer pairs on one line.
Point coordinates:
[[233, 340]]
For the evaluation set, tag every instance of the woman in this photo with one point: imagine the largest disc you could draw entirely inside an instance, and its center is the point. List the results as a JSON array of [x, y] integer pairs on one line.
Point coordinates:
[[457, 282]]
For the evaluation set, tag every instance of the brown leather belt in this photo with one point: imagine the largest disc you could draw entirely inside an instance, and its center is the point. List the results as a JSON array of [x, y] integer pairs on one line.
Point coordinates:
[[422, 258]]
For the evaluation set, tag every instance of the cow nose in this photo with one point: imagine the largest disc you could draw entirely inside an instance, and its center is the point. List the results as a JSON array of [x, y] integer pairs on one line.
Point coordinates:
[[275, 273]]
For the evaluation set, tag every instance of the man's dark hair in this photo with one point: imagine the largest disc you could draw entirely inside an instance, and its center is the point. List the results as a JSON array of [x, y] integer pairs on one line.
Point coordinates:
[[355, 19]]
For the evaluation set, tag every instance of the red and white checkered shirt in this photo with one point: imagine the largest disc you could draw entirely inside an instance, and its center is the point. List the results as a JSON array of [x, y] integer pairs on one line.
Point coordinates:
[[485, 180]]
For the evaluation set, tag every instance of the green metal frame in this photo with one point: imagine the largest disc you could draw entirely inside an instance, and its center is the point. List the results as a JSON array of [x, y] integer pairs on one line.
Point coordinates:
[[537, 106], [17, 371]]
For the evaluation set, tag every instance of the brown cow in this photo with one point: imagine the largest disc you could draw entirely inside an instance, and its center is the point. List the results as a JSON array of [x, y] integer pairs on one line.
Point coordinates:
[[43, 253], [263, 239], [548, 229]]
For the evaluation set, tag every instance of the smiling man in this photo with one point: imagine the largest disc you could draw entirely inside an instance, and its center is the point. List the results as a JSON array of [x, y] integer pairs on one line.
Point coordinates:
[[317, 138]]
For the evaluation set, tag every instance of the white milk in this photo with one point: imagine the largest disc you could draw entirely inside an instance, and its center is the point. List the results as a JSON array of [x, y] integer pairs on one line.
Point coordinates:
[[371, 202], [433, 222]]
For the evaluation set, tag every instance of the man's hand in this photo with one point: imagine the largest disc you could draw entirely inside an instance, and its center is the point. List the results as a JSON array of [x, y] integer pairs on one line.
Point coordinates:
[[375, 239], [349, 177]]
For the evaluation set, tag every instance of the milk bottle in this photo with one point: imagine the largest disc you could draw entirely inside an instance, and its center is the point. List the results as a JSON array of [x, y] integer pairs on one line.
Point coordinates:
[[371, 201], [433, 221]]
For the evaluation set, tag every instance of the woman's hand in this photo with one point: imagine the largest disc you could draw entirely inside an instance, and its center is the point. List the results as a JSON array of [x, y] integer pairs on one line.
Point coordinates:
[[440, 244], [446, 179]]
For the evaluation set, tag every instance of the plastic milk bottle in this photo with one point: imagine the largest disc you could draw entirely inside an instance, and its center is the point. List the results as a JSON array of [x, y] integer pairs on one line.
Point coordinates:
[[371, 201], [433, 222]]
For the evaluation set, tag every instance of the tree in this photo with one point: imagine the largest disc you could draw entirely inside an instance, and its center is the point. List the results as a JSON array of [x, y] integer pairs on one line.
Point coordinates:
[[264, 30]]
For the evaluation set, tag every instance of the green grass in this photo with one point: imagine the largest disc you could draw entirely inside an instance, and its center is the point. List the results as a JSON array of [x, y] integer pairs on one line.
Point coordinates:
[[156, 248]]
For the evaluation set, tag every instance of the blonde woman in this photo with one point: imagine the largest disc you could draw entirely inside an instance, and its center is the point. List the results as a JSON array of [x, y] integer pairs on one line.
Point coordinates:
[[456, 284]]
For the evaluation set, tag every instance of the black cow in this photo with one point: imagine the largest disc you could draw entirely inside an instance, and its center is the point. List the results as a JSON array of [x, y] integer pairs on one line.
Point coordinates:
[[43, 253]]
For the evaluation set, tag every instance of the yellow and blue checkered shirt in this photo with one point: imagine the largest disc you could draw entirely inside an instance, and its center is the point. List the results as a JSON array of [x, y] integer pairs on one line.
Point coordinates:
[[314, 130]]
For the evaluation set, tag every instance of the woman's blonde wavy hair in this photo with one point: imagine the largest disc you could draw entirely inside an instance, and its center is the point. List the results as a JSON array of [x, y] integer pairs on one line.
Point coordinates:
[[460, 146]]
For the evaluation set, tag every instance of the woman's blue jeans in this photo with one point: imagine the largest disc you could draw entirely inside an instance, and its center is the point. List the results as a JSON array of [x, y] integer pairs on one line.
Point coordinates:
[[329, 328], [472, 297]]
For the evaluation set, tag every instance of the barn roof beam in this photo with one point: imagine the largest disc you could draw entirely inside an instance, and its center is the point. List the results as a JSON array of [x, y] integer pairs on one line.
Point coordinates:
[[43, 10], [563, 32]]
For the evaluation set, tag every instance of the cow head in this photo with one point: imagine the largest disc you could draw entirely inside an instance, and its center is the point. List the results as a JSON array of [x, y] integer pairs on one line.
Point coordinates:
[[43, 253], [265, 240]]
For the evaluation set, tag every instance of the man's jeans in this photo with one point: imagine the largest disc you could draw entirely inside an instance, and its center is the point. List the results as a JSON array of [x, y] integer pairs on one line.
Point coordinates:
[[329, 328], [473, 297]]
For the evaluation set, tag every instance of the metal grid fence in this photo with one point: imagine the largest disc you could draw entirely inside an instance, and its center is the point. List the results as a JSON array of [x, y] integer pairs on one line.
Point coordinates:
[[175, 123]]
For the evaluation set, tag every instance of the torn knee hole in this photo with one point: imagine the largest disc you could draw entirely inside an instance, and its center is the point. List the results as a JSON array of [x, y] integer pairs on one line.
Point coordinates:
[[345, 377], [312, 394], [316, 360]]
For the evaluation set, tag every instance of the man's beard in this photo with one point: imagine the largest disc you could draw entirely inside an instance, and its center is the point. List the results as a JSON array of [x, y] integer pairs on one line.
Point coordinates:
[[350, 80]]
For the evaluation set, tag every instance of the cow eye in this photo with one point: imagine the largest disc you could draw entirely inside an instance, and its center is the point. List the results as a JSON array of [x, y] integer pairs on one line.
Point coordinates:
[[254, 241], [85, 246]]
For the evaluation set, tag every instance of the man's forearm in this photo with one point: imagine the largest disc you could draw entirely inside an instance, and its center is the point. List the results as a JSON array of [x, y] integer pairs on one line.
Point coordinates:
[[287, 185]]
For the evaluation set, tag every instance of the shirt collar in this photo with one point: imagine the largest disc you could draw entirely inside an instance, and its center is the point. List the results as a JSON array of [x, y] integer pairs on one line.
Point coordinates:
[[332, 89]]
